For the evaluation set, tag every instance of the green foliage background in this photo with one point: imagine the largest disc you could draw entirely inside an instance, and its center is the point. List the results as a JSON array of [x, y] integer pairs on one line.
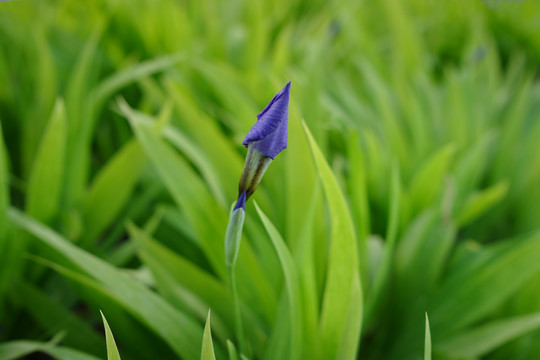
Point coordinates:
[[411, 188]]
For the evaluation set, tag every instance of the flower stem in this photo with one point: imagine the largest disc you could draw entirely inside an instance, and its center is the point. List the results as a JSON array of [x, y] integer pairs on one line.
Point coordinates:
[[237, 315]]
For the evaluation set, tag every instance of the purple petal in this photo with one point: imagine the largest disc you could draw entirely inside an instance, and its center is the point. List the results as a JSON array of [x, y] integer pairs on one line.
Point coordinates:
[[269, 134], [241, 203]]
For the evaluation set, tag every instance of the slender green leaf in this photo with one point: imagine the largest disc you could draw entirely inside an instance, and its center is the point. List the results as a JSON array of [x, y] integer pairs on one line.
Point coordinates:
[[20, 348], [96, 295], [118, 80], [428, 180], [485, 338], [79, 153], [112, 350], [350, 342], [381, 281], [342, 262], [45, 183], [44, 90], [4, 190], [470, 167], [427, 341], [233, 354], [6, 252], [384, 104], [292, 285], [502, 267], [79, 82], [180, 331], [359, 197], [61, 353], [233, 97], [111, 188], [54, 316], [478, 203], [204, 131], [422, 253], [194, 293], [191, 150], [207, 352], [189, 194], [201, 283], [303, 231]]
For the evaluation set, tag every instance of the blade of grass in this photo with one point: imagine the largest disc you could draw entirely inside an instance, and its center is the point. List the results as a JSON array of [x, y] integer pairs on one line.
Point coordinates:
[[45, 183], [500, 266], [421, 255], [233, 97], [111, 186], [191, 195], [204, 131], [19, 348], [127, 76], [62, 353], [427, 341], [4, 189], [471, 165], [359, 198], [381, 280], [428, 180], [44, 89], [80, 156], [300, 185], [207, 352], [303, 230], [177, 329], [233, 354], [112, 350], [96, 296], [184, 144], [342, 262], [292, 285], [5, 246], [350, 342], [478, 203], [483, 339], [384, 105], [192, 151], [160, 259], [80, 81], [403, 30], [54, 316], [199, 281]]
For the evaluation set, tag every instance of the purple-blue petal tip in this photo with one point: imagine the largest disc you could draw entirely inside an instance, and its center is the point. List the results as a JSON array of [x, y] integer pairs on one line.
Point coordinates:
[[241, 203], [269, 134]]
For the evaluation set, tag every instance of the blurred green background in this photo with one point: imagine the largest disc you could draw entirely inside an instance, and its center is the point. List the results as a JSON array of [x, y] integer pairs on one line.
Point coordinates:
[[412, 187]]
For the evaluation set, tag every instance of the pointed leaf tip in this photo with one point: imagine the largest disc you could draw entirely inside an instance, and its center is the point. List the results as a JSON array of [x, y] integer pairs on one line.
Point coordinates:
[[427, 341], [112, 350], [207, 352]]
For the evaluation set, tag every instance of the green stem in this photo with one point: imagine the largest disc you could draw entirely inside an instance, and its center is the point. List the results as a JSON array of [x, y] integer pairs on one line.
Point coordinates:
[[237, 316]]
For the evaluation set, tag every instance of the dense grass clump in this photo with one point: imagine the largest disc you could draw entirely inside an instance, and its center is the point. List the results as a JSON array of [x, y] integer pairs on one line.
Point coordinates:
[[400, 223]]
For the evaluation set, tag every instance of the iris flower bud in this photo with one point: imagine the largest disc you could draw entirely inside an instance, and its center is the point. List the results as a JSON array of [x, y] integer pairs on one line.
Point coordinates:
[[266, 139]]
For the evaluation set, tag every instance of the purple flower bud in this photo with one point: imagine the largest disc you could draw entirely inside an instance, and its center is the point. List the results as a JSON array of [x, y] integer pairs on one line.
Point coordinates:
[[266, 139], [269, 134]]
